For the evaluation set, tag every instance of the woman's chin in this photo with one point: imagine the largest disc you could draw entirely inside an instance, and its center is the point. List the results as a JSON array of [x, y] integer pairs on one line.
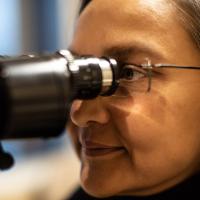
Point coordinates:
[[99, 188], [99, 192]]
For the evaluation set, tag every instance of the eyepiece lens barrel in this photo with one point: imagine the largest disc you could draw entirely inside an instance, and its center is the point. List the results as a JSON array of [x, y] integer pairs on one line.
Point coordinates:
[[37, 91]]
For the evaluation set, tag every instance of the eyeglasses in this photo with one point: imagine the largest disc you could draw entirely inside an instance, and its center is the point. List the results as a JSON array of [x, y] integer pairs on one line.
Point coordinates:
[[138, 78]]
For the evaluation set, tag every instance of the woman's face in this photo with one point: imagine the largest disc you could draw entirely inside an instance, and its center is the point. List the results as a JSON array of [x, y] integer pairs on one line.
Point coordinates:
[[148, 142]]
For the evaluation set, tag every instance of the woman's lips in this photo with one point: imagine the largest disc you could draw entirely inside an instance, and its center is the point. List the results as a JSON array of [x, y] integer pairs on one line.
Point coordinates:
[[96, 149]]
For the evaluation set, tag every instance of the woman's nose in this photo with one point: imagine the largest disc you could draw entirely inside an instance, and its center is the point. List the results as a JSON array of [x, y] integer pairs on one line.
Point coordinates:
[[84, 112]]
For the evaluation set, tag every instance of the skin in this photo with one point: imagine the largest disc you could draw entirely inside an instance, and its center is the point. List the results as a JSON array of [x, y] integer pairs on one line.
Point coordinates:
[[159, 130]]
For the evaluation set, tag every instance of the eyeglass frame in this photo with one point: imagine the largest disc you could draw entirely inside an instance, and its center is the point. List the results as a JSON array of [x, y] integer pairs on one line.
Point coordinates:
[[149, 67]]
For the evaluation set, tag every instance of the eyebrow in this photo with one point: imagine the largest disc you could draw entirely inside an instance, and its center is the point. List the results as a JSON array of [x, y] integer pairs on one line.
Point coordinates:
[[123, 52]]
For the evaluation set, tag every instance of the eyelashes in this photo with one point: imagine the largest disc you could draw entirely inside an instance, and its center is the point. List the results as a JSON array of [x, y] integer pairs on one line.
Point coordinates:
[[132, 73]]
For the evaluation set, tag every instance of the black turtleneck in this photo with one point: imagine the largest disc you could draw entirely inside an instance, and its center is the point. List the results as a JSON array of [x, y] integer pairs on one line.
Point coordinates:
[[189, 190]]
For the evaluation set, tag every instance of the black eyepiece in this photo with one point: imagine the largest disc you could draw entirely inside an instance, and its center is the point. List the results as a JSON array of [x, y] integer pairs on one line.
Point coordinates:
[[37, 91]]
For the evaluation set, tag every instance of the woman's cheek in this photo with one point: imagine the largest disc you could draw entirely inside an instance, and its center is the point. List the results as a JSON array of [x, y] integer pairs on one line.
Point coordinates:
[[72, 131], [144, 121]]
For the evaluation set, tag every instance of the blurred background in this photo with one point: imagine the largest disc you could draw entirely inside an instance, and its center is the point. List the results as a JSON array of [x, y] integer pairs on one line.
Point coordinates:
[[44, 169]]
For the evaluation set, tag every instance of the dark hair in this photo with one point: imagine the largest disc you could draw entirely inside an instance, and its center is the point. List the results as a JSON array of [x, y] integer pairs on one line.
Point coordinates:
[[189, 15], [84, 3]]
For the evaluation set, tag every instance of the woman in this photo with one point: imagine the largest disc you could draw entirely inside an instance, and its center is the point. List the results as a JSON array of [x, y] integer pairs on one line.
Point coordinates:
[[144, 142]]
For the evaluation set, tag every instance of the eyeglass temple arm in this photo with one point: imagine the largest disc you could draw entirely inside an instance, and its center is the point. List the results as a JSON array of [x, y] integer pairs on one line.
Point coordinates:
[[170, 66]]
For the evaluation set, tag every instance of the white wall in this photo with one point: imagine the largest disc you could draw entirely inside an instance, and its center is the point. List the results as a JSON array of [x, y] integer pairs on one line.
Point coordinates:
[[18, 30], [10, 28], [68, 12]]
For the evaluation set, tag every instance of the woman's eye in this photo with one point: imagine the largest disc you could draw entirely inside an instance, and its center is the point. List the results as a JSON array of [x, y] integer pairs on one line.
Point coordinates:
[[131, 74]]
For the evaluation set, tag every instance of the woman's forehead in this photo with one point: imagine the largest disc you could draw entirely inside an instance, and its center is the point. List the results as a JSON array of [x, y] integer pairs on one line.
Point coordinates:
[[121, 23], [130, 8], [104, 24], [126, 15]]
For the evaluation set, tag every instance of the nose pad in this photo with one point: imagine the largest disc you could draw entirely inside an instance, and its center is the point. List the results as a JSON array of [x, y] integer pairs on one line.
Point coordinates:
[[84, 112]]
